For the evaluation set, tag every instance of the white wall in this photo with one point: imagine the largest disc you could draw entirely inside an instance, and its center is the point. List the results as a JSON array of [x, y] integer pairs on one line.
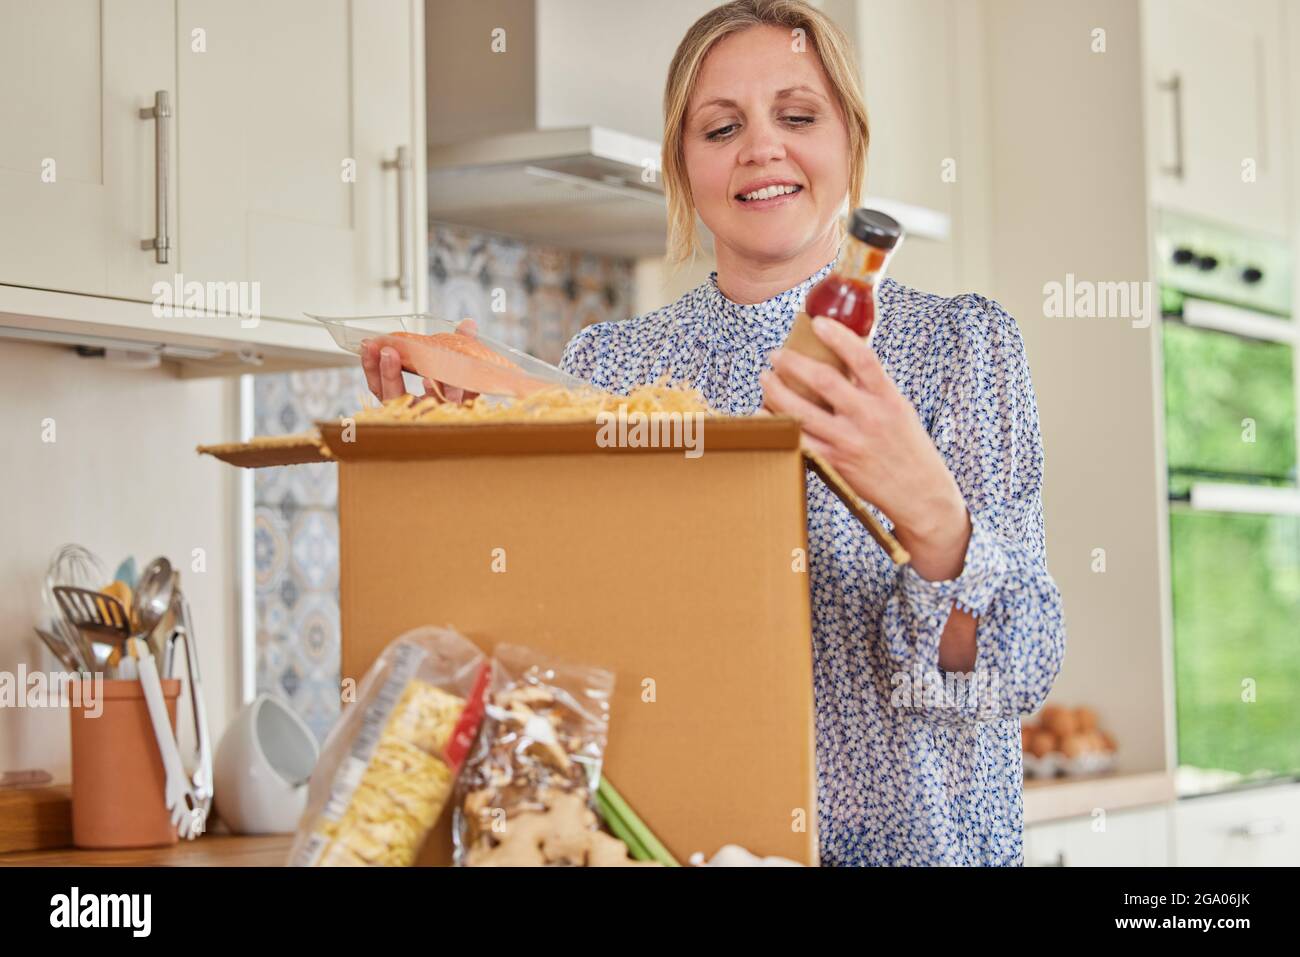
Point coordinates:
[[925, 84], [121, 478], [579, 82], [1068, 196]]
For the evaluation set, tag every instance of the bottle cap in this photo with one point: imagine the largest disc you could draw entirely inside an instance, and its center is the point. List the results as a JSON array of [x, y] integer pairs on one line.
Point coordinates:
[[875, 228]]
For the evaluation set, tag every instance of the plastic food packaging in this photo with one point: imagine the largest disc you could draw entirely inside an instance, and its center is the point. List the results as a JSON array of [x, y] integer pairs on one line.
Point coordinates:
[[526, 791], [432, 348], [389, 765]]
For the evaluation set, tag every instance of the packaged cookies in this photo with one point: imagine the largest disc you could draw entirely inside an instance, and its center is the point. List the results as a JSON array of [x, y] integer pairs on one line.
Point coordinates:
[[390, 763], [525, 793]]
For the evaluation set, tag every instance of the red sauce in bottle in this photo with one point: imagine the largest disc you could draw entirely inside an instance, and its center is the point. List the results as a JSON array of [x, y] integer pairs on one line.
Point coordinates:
[[847, 294], [844, 299]]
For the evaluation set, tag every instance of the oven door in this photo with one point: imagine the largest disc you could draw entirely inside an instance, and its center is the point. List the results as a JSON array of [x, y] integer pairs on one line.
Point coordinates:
[[1234, 534]]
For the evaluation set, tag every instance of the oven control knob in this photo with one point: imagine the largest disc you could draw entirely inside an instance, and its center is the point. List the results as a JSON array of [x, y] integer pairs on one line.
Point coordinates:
[[1207, 263], [1252, 275], [1183, 255]]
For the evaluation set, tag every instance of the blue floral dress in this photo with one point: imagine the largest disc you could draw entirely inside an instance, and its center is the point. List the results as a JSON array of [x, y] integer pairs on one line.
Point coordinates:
[[914, 766]]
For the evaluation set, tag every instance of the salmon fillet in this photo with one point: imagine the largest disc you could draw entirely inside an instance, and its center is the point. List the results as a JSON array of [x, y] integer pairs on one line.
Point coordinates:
[[461, 361]]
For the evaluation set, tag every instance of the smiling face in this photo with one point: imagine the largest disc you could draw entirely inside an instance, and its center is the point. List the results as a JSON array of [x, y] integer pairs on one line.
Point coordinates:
[[766, 148]]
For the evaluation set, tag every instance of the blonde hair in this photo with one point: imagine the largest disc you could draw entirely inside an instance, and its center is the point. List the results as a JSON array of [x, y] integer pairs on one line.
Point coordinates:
[[827, 41]]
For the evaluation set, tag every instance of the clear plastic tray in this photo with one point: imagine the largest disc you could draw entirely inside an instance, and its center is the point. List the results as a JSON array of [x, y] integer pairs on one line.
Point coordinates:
[[515, 373]]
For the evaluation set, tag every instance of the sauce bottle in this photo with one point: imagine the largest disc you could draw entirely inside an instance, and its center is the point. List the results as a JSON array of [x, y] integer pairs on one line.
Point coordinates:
[[848, 293]]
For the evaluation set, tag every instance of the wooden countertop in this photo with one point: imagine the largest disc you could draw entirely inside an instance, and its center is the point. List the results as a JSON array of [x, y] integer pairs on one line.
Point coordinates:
[[1046, 800], [211, 850]]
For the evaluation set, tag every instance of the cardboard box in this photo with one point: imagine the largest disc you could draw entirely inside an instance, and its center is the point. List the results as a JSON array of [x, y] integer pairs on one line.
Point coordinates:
[[679, 574]]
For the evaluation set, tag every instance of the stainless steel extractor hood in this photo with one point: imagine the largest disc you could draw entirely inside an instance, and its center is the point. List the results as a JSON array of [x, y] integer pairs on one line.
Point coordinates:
[[585, 188]]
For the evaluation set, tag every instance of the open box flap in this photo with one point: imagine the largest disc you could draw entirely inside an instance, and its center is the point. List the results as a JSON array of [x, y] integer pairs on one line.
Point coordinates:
[[407, 441], [395, 441], [267, 451]]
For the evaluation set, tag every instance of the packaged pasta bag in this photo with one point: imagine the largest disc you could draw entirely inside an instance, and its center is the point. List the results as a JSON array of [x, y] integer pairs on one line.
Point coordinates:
[[526, 792], [389, 764]]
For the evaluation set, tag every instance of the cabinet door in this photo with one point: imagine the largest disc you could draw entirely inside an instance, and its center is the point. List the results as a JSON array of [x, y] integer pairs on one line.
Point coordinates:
[[1249, 829], [290, 111], [77, 163], [1138, 838], [1217, 129]]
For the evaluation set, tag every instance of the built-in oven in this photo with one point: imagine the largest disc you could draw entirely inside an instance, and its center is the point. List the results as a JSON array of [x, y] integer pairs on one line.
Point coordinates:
[[1230, 387]]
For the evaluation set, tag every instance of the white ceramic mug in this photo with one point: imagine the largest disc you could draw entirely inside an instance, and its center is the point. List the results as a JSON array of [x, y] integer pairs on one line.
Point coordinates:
[[262, 767]]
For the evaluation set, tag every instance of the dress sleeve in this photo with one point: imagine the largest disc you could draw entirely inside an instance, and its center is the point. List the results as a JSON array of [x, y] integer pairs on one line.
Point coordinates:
[[987, 430], [583, 353]]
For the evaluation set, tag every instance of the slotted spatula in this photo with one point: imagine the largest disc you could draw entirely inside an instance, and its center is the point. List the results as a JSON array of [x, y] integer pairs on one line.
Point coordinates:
[[95, 614]]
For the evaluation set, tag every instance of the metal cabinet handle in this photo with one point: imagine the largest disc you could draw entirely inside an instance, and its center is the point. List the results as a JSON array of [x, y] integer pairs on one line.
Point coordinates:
[[401, 163], [1174, 86], [161, 114], [1260, 827]]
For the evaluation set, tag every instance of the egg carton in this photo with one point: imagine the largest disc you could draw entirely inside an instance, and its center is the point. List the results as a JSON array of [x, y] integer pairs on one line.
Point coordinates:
[[1054, 764]]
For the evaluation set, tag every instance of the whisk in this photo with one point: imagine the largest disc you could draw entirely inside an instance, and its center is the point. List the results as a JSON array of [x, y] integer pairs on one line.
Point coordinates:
[[79, 567]]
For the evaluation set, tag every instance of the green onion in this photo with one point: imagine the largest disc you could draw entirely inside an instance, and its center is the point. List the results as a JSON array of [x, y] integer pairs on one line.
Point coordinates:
[[614, 808], [620, 830]]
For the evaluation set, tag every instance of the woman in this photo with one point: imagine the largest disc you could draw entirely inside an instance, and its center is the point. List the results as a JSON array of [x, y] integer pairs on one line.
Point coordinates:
[[936, 426]]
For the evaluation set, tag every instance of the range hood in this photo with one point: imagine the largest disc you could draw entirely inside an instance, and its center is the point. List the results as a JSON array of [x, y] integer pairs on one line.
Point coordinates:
[[587, 188]]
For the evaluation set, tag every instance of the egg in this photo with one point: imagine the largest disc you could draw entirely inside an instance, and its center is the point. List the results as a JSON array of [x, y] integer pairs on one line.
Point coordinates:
[[1085, 718], [1073, 745], [1060, 721], [1042, 743]]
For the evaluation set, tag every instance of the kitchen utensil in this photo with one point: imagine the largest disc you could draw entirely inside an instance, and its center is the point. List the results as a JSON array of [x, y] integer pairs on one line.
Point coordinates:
[[187, 813], [76, 566], [128, 669], [475, 374], [94, 614], [183, 631], [126, 572], [264, 762], [68, 656], [153, 598]]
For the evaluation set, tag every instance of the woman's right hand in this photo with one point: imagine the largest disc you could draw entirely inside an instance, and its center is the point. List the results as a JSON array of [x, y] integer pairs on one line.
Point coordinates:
[[383, 369]]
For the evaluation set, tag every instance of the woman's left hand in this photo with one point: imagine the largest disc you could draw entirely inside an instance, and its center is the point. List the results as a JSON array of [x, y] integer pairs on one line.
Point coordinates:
[[875, 440]]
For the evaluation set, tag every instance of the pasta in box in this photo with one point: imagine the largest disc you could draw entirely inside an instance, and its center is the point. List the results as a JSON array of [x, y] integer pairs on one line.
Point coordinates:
[[389, 764]]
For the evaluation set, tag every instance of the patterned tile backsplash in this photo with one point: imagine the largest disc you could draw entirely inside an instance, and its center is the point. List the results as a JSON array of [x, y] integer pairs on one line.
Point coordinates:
[[531, 297]]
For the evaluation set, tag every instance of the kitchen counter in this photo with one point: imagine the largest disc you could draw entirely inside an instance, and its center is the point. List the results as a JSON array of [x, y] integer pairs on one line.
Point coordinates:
[[1058, 798], [1045, 800], [211, 850]]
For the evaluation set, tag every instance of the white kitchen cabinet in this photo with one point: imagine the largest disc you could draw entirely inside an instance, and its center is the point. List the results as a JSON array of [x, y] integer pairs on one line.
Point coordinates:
[[1218, 131], [77, 162], [293, 114], [1245, 829], [928, 121], [280, 169], [1137, 838]]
